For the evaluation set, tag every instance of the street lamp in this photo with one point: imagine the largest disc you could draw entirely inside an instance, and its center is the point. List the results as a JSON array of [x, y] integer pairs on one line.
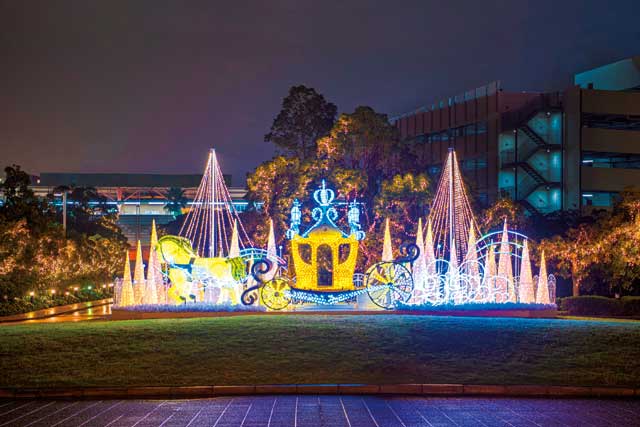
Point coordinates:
[[63, 193]]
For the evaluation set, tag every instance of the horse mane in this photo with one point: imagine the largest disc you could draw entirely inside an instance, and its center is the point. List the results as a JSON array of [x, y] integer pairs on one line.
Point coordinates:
[[179, 241]]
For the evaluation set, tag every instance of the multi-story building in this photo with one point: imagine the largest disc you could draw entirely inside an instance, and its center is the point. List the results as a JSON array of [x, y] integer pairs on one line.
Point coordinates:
[[549, 151], [602, 115], [139, 198]]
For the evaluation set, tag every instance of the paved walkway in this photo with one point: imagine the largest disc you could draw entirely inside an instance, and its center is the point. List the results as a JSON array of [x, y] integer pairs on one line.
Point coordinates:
[[318, 411], [91, 310]]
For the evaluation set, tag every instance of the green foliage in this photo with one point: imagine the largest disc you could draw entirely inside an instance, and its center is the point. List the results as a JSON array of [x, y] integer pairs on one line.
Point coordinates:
[[493, 217], [176, 201], [35, 254], [362, 159], [304, 118], [591, 305], [605, 250], [27, 304]]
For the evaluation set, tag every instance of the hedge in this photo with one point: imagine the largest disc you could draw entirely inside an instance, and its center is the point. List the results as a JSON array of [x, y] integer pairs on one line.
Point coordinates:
[[591, 305], [27, 304]]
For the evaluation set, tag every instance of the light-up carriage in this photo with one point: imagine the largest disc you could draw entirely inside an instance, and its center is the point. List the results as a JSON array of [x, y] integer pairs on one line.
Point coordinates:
[[324, 258], [215, 280]]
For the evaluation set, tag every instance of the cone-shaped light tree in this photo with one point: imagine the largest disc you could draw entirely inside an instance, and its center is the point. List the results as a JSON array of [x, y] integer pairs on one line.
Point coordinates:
[[419, 269], [126, 289], [505, 269], [432, 291], [489, 282], [150, 295], [138, 276], [451, 213], [387, 251], [542, 291], [471, 266], [429, 253], [210, 221], [526, 294], [271, 240], [234, 247], [156, 271]]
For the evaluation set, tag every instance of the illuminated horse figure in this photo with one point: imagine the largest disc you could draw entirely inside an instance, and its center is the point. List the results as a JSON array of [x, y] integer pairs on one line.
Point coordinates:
[[215, 280]]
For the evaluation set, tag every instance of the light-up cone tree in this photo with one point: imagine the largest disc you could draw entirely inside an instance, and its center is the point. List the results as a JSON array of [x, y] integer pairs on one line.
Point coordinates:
[[138, 276], [451, 213], [156, 269], [489, 279], [452, 217], [126, 298], [432, 290], [387, 250], [525, 288], [419, 270], [542, 291], [472, 267], [505, 285], [234, 246], [150, 295], [271, 252], [212, 216], [271, 240]]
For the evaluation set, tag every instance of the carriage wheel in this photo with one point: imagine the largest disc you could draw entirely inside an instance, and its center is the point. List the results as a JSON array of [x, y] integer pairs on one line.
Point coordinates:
[[275, 293], [388, 283]]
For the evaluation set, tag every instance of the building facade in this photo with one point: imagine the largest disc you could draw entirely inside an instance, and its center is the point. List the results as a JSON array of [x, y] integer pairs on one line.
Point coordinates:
[[570, 150], [138, 198]]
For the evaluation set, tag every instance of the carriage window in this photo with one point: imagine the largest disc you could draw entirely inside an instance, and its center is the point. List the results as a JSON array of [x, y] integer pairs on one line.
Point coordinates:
[[304, 250], [343, 252], [325, 266]]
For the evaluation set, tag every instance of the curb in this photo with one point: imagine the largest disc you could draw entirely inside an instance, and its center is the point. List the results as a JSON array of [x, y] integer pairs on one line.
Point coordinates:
[[187, 392]]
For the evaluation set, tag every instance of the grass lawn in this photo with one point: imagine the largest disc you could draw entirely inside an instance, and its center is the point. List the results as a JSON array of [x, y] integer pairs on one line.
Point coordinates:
[[321, 349]]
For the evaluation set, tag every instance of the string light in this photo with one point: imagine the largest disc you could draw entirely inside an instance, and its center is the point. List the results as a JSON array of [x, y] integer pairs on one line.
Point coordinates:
[[212, 215]]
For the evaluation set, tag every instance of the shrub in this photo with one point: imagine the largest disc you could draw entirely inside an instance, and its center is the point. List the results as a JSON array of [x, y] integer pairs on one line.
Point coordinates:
[[631, 306], [39, 302], [591, 305]]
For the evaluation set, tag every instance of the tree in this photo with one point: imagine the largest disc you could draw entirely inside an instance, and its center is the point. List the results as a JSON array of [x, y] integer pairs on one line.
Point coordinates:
[[364, 140], [176, 201], [276, 183], [304, 118], [503, 209], [605, 249], [402, 199], [34, 253], [16, 186], [574, 255], [21, 203]]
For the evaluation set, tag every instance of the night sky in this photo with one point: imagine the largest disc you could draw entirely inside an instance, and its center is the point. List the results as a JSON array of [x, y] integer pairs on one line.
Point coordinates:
[[149, 86]]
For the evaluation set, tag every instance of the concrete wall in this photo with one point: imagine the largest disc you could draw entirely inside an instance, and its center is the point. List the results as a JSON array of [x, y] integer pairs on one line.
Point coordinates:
[[571, 154], [611, 102], [611, 140], [609, 179]]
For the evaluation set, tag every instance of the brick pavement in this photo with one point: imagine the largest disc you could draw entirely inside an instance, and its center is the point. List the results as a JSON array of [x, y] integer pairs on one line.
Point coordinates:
[[323, 410]]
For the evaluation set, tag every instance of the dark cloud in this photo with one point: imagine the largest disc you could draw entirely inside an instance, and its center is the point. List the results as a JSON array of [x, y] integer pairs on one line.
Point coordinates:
[[149, 85]]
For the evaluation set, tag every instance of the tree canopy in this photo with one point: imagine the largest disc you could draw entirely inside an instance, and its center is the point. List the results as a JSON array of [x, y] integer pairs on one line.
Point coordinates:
[[34, 252], [305, 117]]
